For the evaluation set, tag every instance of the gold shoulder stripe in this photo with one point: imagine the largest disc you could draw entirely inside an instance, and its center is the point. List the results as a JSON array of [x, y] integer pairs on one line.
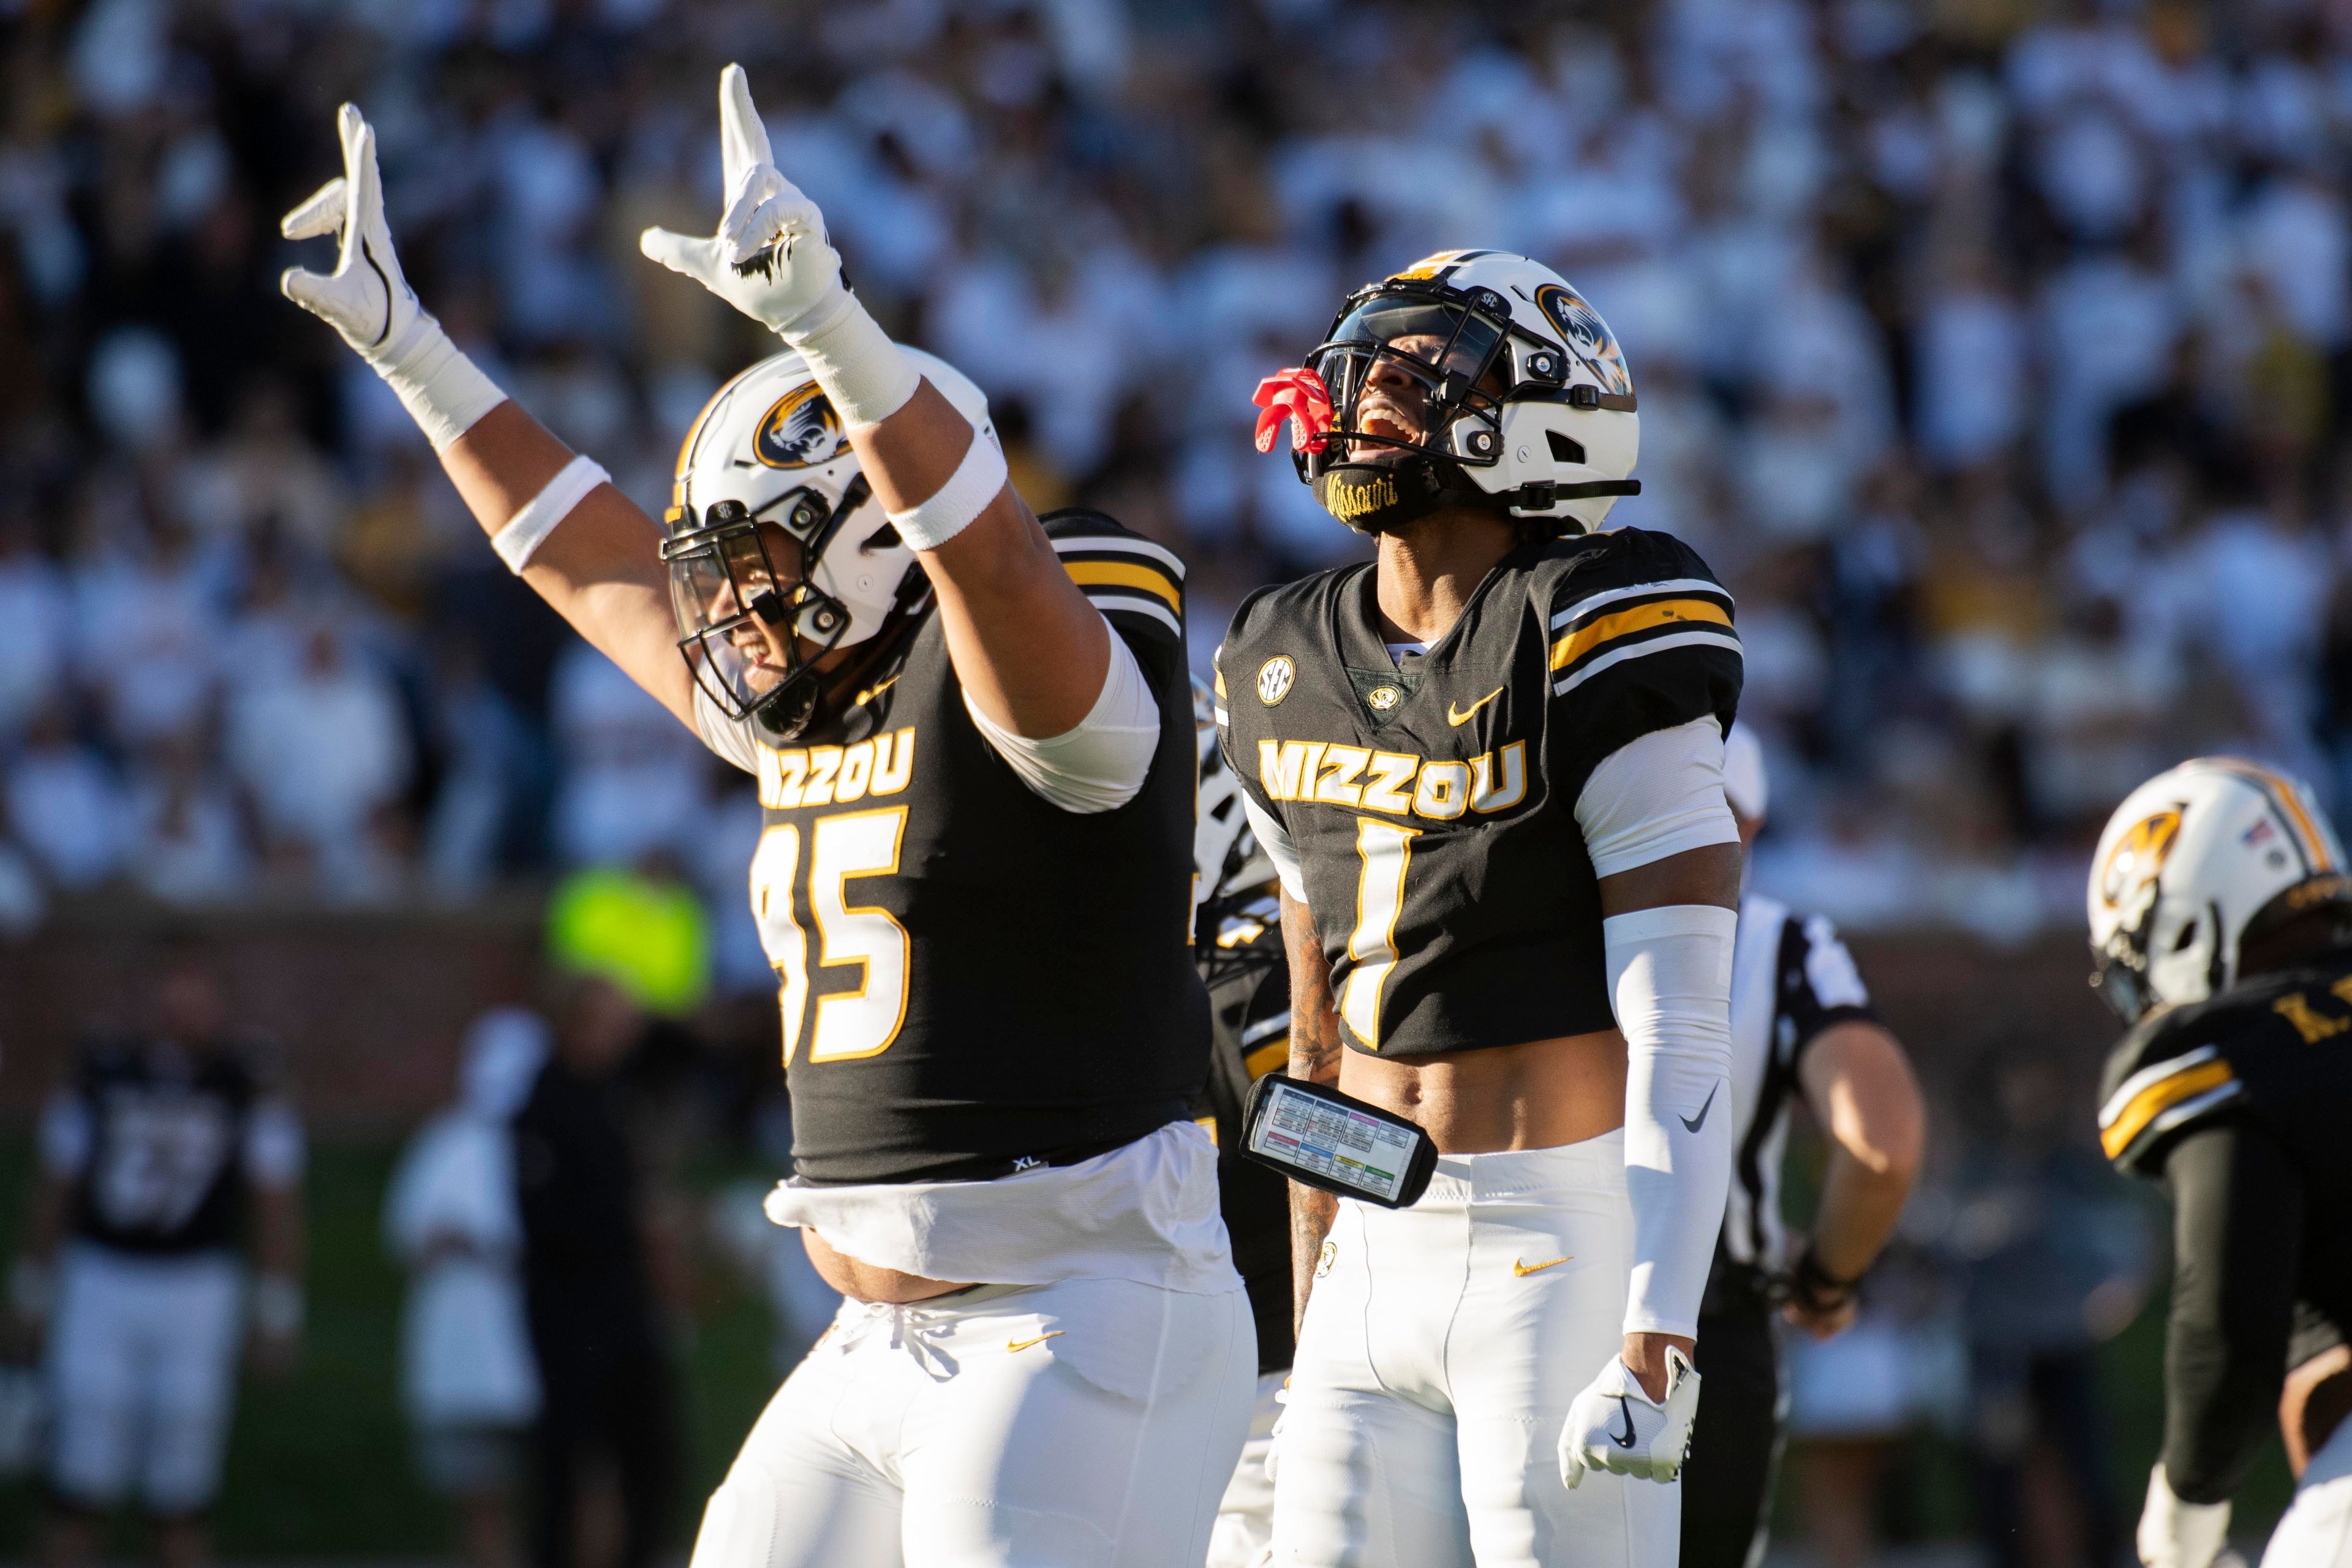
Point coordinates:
[[1625, 623], [1125, 574], [2157, 1097]]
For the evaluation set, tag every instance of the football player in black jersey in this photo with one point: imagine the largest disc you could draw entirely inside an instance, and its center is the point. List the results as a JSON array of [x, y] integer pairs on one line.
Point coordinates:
[[1490, 767], [1801, 1027], [2222, 932], [1237, 943], [165, 1148], [974, 748]]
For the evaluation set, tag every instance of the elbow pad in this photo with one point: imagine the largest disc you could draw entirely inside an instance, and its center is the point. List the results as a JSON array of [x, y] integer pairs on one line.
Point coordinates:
[[1670, 979]]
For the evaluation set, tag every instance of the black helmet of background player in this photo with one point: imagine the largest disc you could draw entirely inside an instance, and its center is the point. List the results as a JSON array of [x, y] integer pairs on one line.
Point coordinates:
[[779, 553], [1473, 378], [1229, 868]]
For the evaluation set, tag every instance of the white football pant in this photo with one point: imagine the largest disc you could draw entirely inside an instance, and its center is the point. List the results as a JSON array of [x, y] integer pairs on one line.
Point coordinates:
[[1093, 1422], [142, 1372], [2316, 1530], [1441, 1348], [1245, 1518]]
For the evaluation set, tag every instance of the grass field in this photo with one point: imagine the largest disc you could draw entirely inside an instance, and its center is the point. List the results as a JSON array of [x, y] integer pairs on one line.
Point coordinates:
[[319, 1468]]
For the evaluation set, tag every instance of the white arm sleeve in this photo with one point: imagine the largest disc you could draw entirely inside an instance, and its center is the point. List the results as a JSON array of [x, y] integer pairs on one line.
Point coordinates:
[[1670, 979], [1656, 796], [1279, 848], [1099, 765], [730, 738]]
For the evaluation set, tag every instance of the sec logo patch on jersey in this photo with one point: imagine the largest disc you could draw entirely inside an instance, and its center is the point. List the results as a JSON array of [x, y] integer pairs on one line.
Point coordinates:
[[1274, 678]]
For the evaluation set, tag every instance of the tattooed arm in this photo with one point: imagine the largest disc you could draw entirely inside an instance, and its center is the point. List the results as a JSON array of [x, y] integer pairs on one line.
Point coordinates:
[[1314, 1057]]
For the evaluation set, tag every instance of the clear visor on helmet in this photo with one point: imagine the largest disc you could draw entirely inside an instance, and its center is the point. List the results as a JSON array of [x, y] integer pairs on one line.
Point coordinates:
[[1416, 372], [744, 611]]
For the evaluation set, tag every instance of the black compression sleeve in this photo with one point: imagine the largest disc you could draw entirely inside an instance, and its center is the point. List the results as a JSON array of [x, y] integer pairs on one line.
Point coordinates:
[[2237, 1206]]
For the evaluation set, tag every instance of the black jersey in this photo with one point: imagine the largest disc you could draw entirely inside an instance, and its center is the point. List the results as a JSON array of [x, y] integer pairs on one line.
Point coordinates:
[[974, 979], [162, 1145], [1248, 979], [2238, 1105], [1432, 808]]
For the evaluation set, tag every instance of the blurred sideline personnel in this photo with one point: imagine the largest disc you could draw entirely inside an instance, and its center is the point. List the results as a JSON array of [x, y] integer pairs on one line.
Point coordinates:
[[1490, 767], [469, 1382], [2222, 931], [1237, 937], [151, 1159], [974, 748], [608, 1430], [1801, 1024]]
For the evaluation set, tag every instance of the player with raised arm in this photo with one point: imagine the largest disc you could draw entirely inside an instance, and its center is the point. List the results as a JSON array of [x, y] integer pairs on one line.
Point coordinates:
[[974, 749], [1802, 1029], [1489, 766], [2221, 933]]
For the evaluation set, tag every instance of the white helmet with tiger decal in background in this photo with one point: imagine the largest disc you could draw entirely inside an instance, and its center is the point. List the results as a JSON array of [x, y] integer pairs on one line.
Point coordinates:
[[1528, 403], [2194, 864], [770, 517]]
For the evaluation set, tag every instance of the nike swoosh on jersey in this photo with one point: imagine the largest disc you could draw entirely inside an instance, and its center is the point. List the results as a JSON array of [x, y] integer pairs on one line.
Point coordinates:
[[1523, 1269], [1457, 716], [1627, 1440], [876, 690], [1024, 1345], [1696, 1123]]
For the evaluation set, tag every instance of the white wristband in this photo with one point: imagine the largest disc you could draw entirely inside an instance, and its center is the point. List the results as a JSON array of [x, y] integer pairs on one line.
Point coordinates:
[[527, 530], [445, 393], [866, 376], [951, 508]]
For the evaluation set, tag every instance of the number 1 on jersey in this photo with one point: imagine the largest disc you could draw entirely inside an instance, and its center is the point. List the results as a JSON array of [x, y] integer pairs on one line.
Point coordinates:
[[1386, 849]]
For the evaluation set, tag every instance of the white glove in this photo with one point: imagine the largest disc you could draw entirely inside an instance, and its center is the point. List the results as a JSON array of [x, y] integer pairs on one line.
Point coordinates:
[[1613, 1425], [367, 301], [2176, 1535], [771, 260]]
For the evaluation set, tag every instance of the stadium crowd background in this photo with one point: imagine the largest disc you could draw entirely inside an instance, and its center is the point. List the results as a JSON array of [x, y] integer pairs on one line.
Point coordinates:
[[1998, 354]]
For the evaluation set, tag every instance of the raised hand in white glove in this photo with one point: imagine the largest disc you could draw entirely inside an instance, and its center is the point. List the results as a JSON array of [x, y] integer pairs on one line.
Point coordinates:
[[2178, 1534], [1613, 1425], [367, 301], [771, 260]]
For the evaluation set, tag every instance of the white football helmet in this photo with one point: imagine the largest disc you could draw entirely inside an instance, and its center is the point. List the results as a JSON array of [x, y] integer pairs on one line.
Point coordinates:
[[773, 530], [2193, 864], [1530, 402]]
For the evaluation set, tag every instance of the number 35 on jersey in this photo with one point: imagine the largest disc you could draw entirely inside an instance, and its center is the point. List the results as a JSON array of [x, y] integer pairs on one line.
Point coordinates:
[[804, 878]]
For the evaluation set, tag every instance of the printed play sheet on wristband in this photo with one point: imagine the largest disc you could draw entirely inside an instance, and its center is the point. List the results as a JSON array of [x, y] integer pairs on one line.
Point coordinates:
[[1335, 1143]]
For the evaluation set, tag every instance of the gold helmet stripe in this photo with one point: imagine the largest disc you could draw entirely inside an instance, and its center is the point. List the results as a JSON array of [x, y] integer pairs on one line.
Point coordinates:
[[2282, 794], [677, 497]]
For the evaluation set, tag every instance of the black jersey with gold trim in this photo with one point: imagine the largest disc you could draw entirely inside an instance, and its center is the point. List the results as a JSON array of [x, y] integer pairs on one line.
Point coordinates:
[[972, 979], [1433, 806], [2277, 1048], [1248, 977]]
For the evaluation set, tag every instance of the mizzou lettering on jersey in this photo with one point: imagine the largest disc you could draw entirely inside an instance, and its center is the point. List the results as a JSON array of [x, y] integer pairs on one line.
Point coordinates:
[[2278, 1047], [970, 978], [1432, 806]]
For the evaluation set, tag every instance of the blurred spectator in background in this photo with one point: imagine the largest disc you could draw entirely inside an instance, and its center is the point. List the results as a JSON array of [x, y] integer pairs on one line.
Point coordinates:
[[608, 1437], [2054, 1257], [452, 1216], [150, 1160]]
